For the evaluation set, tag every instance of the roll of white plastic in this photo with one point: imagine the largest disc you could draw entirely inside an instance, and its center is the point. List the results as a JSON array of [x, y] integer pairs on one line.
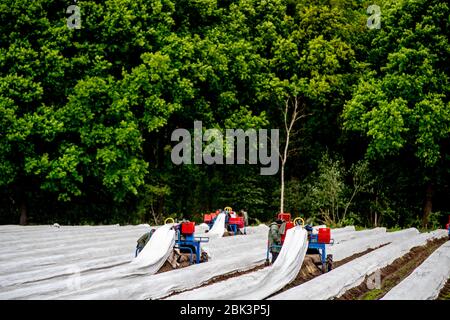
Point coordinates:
[[262, 283], [218, 228]]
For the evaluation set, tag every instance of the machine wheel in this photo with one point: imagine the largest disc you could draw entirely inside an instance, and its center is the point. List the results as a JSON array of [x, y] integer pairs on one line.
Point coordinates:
[[329, 262], [204, 257]]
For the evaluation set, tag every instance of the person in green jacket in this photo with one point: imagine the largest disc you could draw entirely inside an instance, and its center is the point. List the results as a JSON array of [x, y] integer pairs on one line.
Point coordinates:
[[143, 240], [275, 238]]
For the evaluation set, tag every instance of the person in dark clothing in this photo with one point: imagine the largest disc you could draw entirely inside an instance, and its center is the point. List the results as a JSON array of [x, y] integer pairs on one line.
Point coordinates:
[[275, 239], [143, 240]]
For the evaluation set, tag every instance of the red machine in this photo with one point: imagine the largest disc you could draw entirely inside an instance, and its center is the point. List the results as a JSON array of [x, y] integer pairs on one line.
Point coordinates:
[[187, 228], [324, 235], [316, 242], [209, 219], [187, 241], [286, 217], [238, 221]]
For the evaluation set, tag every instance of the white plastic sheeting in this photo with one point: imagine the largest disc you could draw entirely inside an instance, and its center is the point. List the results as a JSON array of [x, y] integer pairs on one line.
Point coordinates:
[[426, 282], [262, 228], [344, 229], [336, 282], [54, 252], [262, 283], [157, 250], [348, 248], [99, 256], [201, 228], [218, 228], [354, 246], [340, 237], [236, 253]]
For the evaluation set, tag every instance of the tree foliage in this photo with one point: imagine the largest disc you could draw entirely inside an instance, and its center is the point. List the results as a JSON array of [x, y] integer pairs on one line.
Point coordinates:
[[86, 115]]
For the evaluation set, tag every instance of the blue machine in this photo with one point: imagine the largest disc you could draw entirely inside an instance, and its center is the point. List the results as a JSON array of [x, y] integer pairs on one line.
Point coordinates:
[[314, 246], [234, 227], [190, 243]]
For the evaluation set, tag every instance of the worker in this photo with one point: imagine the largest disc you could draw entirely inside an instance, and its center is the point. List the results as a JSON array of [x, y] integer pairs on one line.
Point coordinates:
[[244, 214], [275, 238], [143, 240]]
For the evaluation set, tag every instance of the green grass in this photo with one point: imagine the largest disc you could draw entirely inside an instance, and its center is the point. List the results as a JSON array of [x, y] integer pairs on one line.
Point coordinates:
[[445, 297], [372, 294], [394, 229]]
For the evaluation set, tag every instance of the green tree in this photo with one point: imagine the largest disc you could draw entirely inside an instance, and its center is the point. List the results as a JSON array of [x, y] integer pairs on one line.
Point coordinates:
[[402, 106]]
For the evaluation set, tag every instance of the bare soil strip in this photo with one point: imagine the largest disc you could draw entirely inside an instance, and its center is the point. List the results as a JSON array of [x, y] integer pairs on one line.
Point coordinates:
[[221, 278], [445, 292], [394, 273]]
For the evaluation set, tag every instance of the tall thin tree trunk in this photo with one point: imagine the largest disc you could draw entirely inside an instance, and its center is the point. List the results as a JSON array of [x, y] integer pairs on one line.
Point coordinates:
[[428, 204], [23, 212], [282, 189]]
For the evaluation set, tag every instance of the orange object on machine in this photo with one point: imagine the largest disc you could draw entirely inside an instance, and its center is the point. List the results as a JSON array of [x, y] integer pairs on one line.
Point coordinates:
[[324, 235], [207, 218], [187, 227], [242, 223], [289, 225], [284, 216], [239, 221]]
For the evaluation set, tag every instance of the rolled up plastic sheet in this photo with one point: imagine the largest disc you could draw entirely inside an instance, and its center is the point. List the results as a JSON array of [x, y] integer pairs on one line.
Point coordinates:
[[264, 282], [218, 228], [157, 250]]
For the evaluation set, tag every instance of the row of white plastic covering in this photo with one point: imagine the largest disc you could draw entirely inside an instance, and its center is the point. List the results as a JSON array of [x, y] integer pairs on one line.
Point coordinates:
[[128, 281], [43, 262], [34, 253], [336, 282], [426, 281], [31, 254], [53, 276], [264, 282]]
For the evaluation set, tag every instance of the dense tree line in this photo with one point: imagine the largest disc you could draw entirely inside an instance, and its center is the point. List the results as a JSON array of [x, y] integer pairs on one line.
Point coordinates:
[[86, 115]]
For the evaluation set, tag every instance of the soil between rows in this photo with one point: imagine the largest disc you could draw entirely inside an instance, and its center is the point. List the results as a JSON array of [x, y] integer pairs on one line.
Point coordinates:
[[221, 277], [445, 292], [394, 273]]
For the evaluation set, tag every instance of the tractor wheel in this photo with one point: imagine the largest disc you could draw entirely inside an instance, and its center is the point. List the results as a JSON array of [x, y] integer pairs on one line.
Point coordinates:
[[329, 262], [204, 257]]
